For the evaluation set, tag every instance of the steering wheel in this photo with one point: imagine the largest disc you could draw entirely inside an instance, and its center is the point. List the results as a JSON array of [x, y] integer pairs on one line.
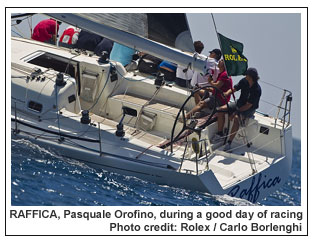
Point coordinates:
[[209, 120]]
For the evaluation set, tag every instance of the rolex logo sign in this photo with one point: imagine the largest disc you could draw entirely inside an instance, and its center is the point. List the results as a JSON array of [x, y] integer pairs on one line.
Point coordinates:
[[236, 63], [233, 50]]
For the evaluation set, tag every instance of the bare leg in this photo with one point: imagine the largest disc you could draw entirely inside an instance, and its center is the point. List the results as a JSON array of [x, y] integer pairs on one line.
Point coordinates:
[[235, 128], [221, 118], [198, 96], [196, 108]]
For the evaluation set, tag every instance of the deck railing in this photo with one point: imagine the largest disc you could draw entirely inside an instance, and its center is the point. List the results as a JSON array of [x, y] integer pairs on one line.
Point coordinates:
[[284, 107], [282, 116]]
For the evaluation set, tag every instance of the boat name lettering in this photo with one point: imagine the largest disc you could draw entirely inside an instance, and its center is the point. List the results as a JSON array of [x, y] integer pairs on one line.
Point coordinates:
[[33, 213], [253, 192]]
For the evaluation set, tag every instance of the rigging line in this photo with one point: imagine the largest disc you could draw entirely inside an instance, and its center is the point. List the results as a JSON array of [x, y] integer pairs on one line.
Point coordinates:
[[97, 100], [16, 33], [37, 136], [55, 133], [57, 111], [238, 132], [14, 25], [46, 84], [29, 20], [250, 140], [270, 142], [21, 33], [219, 41], [54, 137], [19, 21], [53, 118], [277, 106], [118, 156], [82, 133], [116, 86], [268, 113], [68, 63], [267, 102], [86, 131], [272, 85], [146, 103]]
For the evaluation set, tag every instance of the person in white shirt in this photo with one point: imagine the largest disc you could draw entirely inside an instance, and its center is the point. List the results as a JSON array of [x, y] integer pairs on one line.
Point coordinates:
[[200, 80], [185, 74]]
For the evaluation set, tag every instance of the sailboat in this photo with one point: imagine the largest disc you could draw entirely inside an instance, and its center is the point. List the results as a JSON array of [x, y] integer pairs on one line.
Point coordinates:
[[92, 109]]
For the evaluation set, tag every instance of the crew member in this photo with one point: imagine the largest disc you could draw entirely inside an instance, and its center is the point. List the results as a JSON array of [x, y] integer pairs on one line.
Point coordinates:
[[245, 106], [46, 31]]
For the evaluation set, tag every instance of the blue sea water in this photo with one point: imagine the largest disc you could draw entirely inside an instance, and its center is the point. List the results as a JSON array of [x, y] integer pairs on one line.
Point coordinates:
[[41, 178]]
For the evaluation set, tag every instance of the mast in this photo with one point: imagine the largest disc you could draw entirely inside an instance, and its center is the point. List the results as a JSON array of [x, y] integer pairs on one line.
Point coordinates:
[[215, 26], [133, 41]]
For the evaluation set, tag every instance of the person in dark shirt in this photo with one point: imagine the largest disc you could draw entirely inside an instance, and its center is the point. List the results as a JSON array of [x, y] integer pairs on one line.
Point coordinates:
[[93, 42], [245, 106], [105, 45], [88, 41]]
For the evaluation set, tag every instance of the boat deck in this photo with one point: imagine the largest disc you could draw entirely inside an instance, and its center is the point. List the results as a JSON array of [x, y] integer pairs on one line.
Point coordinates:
[[230, 168], [132, 132]]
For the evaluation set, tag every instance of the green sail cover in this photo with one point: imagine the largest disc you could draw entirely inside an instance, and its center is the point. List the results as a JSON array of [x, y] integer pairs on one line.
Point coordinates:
[[236, 63]]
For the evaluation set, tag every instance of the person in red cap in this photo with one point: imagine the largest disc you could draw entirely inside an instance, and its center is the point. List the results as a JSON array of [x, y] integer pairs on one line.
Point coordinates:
[[245, 106], [200, 80], [46, 31]]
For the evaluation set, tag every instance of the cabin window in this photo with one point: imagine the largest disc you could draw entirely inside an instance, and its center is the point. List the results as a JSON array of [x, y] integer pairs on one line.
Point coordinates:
[[37, 107], [55, 62]]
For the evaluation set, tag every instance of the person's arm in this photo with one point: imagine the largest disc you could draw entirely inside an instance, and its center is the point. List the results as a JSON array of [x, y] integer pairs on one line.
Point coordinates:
[[218, 84], [230, 91]]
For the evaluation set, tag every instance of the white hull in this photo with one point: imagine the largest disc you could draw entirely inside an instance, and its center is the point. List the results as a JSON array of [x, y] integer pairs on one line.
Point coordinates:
[[252, 187], [35, 117]]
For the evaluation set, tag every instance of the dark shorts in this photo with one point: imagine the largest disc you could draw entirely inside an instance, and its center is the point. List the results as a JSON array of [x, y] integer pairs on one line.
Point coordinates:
[[246, 114]]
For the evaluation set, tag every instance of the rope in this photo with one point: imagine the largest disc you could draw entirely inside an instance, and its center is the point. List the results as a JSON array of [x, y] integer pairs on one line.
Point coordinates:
[[146, 103], [68, 63], [270, 84], [57, 110], [29, 20], [22, 34], [17, 33], [116, 86], [97, 100], [270, 142]]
